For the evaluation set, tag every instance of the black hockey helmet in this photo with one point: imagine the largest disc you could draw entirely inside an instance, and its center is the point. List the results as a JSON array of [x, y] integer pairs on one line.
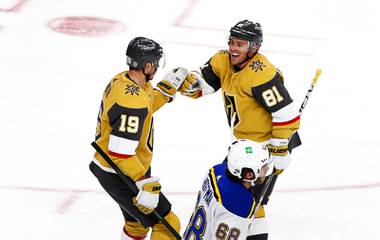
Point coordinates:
[[142, 50], [249, 31]]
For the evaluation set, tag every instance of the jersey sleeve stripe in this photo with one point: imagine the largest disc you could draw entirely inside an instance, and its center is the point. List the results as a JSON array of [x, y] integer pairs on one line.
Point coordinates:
[[215, 185], [122, 146], [285, 113], [287, 122], [118, 154]]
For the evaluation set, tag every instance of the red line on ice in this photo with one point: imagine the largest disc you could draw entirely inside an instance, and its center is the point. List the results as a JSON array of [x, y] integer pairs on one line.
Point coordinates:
[[309, 189], [185, 13], [189, 9], [67, 202], [73, 194], [14, 8]]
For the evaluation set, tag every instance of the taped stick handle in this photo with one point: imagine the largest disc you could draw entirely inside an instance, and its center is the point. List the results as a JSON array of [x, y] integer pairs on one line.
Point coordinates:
[[133, 187]]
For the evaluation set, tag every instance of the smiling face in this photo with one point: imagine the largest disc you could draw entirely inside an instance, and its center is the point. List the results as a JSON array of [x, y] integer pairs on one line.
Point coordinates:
[[238, 50]]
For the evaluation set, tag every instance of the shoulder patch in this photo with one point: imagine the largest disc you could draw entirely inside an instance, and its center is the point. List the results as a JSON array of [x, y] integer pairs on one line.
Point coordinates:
[[259, 70], [132, 89], [257, 65]]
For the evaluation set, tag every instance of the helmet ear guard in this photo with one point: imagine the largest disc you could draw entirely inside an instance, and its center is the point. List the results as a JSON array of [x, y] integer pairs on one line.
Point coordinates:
[[132, 63], [251, 45]]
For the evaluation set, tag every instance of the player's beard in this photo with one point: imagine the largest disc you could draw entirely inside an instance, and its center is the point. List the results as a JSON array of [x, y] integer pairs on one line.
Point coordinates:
[[149, 77]]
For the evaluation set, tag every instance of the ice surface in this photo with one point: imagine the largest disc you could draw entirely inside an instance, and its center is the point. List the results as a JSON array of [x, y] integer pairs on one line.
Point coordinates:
[[51, 84]]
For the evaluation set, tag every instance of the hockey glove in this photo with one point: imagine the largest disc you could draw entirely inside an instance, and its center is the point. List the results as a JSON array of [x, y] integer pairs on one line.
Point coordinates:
[[190, 86], [172, 81], [195, 86], [147, 198], [279, 154]]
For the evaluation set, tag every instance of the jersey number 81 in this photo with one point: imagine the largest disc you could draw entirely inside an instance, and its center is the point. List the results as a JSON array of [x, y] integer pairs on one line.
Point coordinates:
[[271, 96]]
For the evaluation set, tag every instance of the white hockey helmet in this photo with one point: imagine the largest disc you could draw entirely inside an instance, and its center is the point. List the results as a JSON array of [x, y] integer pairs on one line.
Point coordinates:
[[248, 154]]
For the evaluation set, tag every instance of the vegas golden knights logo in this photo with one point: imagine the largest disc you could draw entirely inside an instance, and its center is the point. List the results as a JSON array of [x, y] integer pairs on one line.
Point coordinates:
[[231, 111]]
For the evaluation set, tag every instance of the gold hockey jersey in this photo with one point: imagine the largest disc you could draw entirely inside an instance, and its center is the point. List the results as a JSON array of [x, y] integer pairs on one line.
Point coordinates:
[[125, 125], [255, 97]]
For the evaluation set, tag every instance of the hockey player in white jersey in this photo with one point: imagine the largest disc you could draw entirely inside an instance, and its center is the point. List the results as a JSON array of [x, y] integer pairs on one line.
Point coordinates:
[[225, 204]]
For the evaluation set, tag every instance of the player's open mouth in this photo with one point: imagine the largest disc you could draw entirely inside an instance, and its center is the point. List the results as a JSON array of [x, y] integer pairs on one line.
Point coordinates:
[[234, 55]]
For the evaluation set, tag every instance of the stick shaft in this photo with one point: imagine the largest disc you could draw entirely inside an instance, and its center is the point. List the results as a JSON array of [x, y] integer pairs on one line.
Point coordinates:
[[132, 187], [314, 82], [295, 135]]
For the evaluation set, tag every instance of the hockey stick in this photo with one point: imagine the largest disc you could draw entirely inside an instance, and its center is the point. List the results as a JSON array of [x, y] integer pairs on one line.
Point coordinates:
[[262, 194], [133, 187], [295, 139], [315, 79], [273, 176]]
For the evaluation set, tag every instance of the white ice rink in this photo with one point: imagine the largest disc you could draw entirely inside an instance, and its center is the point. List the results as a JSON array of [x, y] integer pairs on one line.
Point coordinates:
[[51, 84]]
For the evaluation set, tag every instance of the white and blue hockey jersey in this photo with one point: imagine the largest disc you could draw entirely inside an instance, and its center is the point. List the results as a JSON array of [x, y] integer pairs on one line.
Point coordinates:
[[224, 208]]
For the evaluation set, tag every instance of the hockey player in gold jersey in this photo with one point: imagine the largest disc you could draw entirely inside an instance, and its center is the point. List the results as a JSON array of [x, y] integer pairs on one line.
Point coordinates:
[[125, 132], [257, 104]]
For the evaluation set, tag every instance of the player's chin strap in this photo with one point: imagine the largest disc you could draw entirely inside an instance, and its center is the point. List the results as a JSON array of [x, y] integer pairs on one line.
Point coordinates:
[[270, 178]]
